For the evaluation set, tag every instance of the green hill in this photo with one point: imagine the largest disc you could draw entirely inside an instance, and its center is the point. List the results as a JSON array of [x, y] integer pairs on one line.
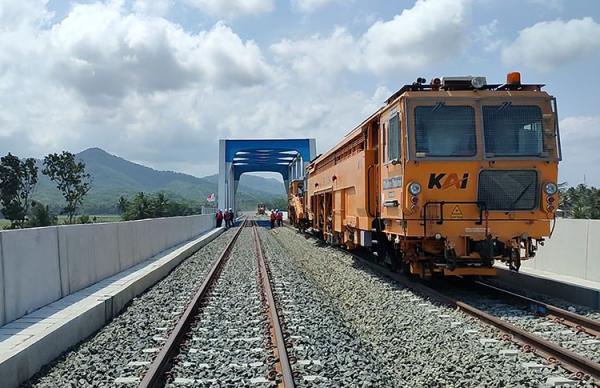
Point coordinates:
[[113, 176]]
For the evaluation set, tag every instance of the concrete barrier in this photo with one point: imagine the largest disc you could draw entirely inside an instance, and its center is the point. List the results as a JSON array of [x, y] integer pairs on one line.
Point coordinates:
[[91, 253], [41, 265], [31, 270], [129, 254], [2, 318], [60, 325], [573, 250], [593, 251]]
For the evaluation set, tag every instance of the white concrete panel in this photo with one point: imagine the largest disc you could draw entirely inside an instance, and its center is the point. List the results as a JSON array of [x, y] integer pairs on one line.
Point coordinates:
[[177, 231], [143, 239], [128, 248], [76, 250], [31, 270], [189, 227], [1, 285], [565, 253], [158, 234], [92, 253], [106, 250], [593, 251]]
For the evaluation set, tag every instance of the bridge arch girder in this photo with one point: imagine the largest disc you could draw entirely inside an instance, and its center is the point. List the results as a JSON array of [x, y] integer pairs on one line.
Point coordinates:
[[288, 157]]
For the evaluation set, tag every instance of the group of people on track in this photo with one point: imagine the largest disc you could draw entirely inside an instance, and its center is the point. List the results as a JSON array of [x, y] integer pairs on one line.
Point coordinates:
[[276, 218], [226, 216]]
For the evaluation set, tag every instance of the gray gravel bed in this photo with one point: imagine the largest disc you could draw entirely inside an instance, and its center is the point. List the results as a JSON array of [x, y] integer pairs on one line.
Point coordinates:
[[328, 352], [229, 344], [572, 307], [419, 342], [583, 344], [122, 350]]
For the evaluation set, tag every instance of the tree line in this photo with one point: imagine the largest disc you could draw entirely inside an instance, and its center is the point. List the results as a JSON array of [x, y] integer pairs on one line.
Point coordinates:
[[144, 205], [18, 179], [580, 201]]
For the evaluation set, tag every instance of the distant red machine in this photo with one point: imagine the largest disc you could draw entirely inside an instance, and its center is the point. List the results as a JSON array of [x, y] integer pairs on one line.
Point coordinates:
[[261, 209]]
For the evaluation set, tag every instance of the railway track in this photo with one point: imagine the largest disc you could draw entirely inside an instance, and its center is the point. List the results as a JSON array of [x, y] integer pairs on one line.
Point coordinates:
[[580, 367], [578, 323], [237, 293]]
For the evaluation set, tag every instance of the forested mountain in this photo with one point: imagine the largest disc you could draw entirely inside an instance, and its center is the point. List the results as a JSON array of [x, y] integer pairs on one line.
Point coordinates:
[[113, 176]]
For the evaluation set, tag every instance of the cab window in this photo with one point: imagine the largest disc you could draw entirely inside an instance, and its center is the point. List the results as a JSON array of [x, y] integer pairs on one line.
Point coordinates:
[[513, 130], [445, 131], [393, 129]]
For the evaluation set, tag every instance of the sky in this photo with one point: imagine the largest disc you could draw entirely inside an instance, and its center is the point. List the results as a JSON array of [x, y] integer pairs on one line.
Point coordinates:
[[160, 81]]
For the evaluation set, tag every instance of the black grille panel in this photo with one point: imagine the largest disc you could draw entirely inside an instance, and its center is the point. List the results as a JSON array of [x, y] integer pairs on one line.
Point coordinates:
[[508, 189]]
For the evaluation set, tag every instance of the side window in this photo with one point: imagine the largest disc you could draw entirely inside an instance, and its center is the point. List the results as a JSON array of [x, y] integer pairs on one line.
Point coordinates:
[[393, 137]]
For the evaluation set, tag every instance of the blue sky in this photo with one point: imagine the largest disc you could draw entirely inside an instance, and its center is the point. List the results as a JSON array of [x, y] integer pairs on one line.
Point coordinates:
[[160, 81]]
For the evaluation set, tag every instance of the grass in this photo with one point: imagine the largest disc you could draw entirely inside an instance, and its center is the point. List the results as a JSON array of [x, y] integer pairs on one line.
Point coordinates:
[[4, 224]]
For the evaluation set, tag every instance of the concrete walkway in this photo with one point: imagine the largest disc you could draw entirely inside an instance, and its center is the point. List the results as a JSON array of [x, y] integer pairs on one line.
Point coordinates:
[[36, 339]]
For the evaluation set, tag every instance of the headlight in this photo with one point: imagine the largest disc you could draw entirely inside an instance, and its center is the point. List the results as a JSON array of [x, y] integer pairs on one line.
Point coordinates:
[[550, 188], [414, 188]]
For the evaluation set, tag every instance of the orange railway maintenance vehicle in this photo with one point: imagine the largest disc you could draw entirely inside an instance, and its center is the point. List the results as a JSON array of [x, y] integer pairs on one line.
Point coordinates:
[[447, 177]]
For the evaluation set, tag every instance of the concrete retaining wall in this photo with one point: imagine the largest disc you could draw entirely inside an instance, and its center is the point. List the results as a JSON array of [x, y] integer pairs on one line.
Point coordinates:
[[41, 265], [573, 250]]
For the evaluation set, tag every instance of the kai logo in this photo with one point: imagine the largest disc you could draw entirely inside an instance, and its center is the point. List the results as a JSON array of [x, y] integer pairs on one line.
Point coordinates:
[[444, 181]]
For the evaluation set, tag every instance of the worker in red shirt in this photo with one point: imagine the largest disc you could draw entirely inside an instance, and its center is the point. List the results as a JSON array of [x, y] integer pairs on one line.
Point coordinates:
[[219, 217], [279, 218], [273, 217]]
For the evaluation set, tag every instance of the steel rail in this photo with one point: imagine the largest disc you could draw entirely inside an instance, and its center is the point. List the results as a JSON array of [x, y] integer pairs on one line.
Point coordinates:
[[569, 360], [155, 376], [579, 322], [282, 360], [582, 367]]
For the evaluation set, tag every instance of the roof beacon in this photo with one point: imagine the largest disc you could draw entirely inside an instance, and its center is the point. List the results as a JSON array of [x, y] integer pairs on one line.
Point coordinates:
[[513, 78]]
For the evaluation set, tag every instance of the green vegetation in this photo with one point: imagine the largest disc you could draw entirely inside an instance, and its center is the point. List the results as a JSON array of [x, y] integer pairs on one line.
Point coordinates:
[[70, 178], [580, 201], [144, 206], [113, 177], [17, 180], [105, 178], [41, 216]]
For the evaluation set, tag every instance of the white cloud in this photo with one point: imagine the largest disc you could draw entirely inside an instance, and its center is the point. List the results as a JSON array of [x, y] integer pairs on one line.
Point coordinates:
[[320, 55], [428, 32], [580, 138], [102, 52], [486, 34], [547, 45], [138, 85], [18, 13], [232, 8], [312, 5], [152, 7]]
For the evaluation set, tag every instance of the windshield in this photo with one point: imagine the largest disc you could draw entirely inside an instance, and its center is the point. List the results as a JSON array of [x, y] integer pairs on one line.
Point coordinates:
[[443, 130], [512, 130]]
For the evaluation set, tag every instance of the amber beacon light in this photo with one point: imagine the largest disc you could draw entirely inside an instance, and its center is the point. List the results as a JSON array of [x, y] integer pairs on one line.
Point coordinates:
[[513, 78]]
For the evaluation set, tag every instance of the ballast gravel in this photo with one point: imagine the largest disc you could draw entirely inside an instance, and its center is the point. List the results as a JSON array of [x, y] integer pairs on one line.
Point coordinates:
[[228, 344], [581, 343], [420, 343], [121, 351], [327, 352]]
